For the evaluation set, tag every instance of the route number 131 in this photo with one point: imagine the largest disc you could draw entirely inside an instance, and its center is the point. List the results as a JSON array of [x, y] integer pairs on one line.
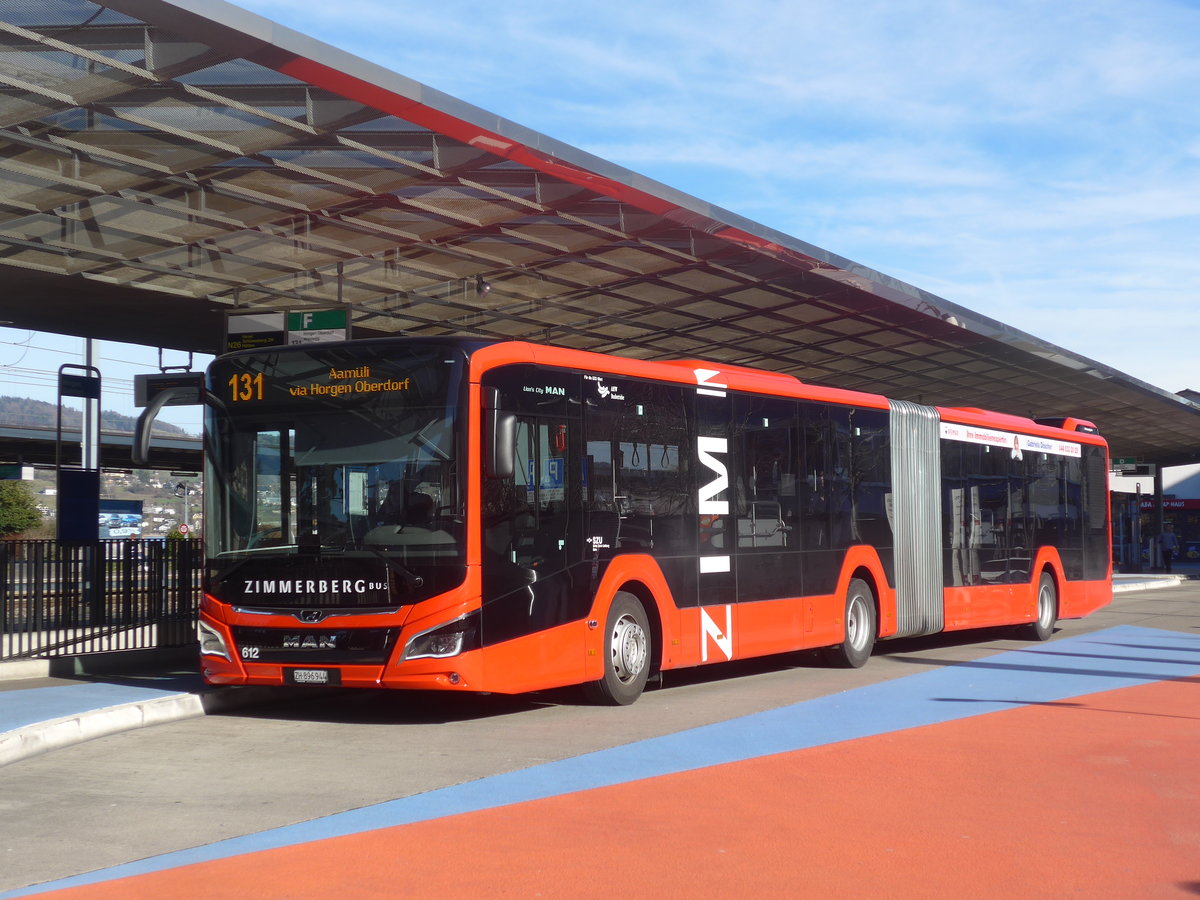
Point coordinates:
[[245, 386]]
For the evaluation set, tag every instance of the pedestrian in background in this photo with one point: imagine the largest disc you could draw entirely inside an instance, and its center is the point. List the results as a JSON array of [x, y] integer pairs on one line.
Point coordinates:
[[1168, 544]]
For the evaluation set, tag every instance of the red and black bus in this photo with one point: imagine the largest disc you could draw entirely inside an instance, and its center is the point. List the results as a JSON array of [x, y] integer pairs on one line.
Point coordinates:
[[463, 515]]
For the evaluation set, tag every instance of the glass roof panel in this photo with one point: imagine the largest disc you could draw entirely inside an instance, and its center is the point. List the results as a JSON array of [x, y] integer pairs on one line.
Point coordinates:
[[236, 72]]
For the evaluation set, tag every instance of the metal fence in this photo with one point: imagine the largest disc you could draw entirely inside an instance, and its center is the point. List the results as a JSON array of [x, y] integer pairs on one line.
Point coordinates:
[[68, 599]]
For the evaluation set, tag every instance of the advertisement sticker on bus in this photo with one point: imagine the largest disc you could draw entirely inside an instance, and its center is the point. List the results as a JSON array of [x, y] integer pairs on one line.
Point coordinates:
[[1017, 444]]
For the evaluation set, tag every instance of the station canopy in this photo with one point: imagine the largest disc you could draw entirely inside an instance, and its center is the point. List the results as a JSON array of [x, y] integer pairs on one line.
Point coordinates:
[[164, 163]]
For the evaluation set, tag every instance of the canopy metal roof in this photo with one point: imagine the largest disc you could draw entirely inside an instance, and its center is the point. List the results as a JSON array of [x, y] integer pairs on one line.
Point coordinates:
[[163, 162]]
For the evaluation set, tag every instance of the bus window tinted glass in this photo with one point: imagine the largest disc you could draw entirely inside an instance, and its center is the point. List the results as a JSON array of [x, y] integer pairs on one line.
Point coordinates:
[[347, 448], [638, 456]]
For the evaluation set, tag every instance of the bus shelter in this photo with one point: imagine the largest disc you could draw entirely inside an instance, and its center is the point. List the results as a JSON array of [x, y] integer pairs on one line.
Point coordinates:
[[166, 164]]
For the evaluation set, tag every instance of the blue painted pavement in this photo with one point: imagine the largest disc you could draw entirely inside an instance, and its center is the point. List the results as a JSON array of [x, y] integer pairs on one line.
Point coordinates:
[[21, 708]]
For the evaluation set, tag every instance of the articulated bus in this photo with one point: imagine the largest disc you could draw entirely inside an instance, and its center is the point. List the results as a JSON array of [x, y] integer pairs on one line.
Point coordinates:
[[503, 517]]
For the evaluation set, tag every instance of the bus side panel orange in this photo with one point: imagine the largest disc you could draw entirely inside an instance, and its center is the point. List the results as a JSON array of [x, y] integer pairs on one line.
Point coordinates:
[[535, 662], [981, 606], [1082, 598], [977, 606], [781, 626]]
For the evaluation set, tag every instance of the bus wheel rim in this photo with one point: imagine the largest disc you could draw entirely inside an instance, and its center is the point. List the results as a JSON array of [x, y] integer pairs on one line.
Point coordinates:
[[1045, 605], [628, 649], [856, 617]]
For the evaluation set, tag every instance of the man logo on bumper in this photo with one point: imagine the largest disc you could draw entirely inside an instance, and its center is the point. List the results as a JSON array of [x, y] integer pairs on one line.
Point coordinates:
[[309, 641]]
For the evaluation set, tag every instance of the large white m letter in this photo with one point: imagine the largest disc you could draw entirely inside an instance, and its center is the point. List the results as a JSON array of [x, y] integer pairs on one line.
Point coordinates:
[[705, 447]]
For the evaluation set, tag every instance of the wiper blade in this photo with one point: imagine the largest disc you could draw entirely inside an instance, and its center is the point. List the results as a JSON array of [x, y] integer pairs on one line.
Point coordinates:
[[275, 548], [432, 446], [411, 579], [317, 549]]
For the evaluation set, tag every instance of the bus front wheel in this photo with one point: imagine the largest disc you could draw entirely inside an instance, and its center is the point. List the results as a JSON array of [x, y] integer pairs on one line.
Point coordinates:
[[855, 650], [627, 646]]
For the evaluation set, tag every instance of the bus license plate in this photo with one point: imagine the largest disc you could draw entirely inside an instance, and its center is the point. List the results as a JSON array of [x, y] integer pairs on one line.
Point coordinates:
[[311, 676]]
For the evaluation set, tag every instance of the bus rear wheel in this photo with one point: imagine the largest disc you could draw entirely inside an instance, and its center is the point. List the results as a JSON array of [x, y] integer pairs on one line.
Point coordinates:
[[1042, 628], [627, 654], [855, 650]]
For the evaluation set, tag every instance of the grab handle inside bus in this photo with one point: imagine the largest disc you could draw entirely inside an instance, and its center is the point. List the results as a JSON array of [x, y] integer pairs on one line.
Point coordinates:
[[500, 433]]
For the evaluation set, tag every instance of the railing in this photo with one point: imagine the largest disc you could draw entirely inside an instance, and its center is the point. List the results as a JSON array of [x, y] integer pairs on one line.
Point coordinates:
[[69, 599]]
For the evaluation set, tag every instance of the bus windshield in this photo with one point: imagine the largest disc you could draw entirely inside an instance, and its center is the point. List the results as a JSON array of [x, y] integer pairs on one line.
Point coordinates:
[[343, 450]]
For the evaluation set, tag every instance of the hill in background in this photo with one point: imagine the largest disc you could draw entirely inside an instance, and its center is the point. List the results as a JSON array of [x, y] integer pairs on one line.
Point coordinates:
[[23, 411]]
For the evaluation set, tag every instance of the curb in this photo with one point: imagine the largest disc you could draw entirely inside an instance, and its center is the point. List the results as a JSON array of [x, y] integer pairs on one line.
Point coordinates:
[[67, 731], [1149, 583]]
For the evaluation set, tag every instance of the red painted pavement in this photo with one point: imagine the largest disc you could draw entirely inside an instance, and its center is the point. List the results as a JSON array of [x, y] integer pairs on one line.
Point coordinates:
[[1097, 796]]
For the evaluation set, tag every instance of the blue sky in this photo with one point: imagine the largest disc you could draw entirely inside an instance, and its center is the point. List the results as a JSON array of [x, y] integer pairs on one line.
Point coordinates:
[[1038, 162]]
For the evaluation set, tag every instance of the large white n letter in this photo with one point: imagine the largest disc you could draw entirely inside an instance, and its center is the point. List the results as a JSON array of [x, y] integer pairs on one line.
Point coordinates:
[[709, 629], [705, 447]]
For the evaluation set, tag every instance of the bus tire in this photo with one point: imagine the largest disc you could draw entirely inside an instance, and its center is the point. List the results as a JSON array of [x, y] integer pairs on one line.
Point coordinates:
[[1042, 627], [855, 650], [627, 654]]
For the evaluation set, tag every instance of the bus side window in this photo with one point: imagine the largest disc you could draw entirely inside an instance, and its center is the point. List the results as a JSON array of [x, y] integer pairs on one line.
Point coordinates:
[[637, 477], [766, 483], [814, 487]]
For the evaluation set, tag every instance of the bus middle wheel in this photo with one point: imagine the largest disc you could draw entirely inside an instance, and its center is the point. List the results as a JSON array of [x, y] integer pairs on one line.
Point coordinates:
[[856, 649]]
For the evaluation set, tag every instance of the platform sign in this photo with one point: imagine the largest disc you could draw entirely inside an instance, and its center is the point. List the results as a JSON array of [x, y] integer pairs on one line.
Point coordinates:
[[250, 330], [318, 326], [84, 386]]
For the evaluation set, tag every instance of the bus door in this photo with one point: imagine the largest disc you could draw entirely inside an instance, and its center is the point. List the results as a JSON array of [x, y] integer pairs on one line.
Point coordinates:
[[639, 492], [532, 534]]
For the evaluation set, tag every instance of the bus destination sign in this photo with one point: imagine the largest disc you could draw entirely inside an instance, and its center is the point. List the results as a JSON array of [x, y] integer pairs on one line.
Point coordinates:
[[335, 382]]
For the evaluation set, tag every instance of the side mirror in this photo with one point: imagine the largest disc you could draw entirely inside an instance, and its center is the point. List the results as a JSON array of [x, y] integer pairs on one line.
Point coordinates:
[[499, 437]]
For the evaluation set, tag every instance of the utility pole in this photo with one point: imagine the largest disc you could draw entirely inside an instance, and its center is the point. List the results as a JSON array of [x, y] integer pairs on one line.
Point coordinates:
[[182, 489]]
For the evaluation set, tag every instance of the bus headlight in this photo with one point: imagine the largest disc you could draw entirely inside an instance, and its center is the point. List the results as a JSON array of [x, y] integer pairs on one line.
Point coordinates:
[[444, 641], [211, 642]]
